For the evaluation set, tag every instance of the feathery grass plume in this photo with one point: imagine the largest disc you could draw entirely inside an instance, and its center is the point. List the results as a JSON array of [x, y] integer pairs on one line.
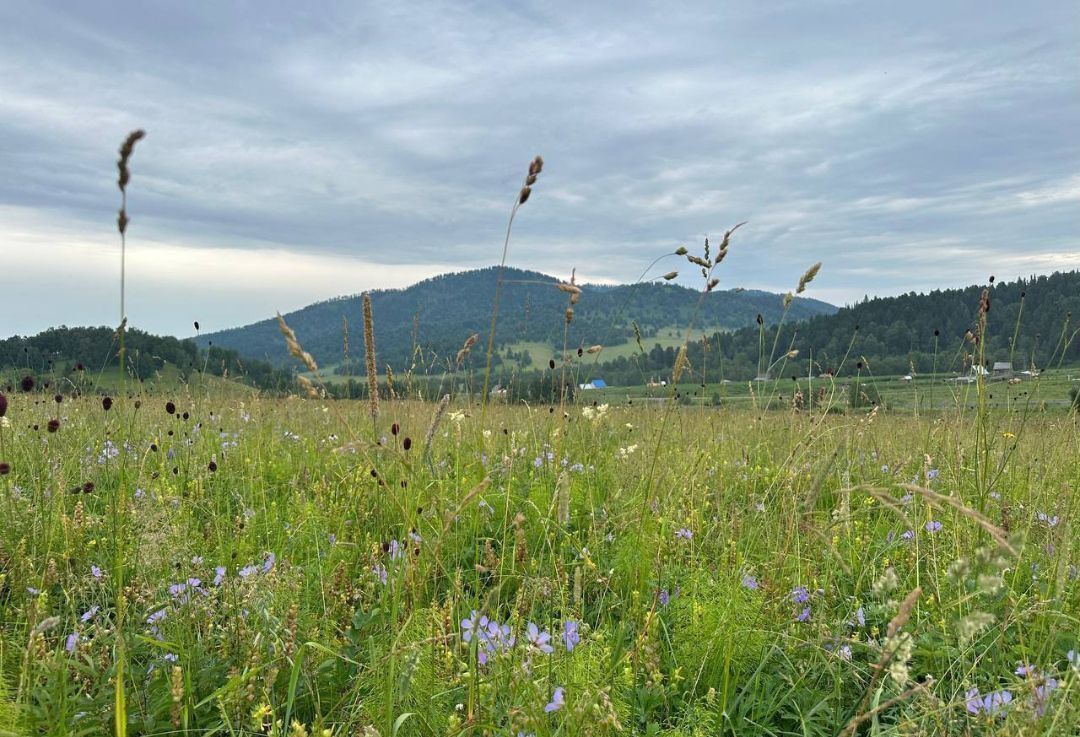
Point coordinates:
[[369, 356], [535, 167], [433, 428], [808, 277], [295, 349], [670, 275], [466, 348], [681, 364], [127, 148], [309, 388], [390, 382], [562, 498], [907, 606]]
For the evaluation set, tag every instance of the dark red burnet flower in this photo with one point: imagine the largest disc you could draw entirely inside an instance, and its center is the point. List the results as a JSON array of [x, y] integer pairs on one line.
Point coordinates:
[[3, 405], [106, 403], [5, 469], [170, 408], [27, 383], [53, 425]]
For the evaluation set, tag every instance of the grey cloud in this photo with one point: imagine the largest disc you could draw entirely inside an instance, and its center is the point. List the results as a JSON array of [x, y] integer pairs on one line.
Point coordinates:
[[887, 141]]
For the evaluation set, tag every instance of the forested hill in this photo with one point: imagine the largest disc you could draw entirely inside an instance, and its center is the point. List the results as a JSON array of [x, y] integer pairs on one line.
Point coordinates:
[[894, 334], [87, 351], [429, 321]]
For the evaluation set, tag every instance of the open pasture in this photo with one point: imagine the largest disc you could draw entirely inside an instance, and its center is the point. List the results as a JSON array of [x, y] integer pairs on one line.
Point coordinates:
[[292, 566]]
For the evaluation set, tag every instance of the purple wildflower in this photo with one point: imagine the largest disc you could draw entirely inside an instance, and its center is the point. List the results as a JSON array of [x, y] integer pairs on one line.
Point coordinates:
[[800, 595], [933, 526], [89, 614], [907, 535], [805, 615], [219, 575], [269, 562], [558, 700], [247, 571], [750, 582], [95, 572], [157, 616], [684, 533], [664, 597], [395, 550], [992, 704], [539, 639], [72, 641], [931, 474], [570, 635], [380, 573], [1049, 521]]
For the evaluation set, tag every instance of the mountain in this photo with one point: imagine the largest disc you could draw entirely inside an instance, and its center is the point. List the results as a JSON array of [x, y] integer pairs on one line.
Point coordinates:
[[427, 323]]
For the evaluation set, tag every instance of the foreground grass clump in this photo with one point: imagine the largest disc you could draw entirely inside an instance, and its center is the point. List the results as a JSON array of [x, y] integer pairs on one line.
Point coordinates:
[[271, 566]]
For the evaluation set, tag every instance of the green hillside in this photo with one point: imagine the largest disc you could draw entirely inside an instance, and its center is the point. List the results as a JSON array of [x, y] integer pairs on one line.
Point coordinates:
[[426, 324]]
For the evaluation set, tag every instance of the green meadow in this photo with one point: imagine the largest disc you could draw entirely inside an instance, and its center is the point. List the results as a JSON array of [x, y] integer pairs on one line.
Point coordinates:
[[245, 564]]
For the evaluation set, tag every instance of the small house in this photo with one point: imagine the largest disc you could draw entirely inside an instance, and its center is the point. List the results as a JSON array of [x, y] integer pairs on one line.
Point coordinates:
[[1002, 370]]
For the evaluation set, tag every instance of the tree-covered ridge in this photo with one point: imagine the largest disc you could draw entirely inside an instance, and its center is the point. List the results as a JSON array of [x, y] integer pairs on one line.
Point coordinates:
[[893, 335], [428, 322], [65, 351]]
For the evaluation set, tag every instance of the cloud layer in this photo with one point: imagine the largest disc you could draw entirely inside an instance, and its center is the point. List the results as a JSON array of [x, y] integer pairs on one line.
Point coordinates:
[[294, 153]]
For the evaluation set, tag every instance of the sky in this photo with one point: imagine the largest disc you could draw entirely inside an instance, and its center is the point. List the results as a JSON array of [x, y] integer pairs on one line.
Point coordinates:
[[300, 151]]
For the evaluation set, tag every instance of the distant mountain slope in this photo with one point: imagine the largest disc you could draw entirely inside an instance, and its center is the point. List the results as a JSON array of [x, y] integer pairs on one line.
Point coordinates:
[[892, 335], [435, 316]]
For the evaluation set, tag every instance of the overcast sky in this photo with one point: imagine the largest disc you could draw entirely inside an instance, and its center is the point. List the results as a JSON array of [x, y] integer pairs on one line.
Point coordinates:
[[294, 153]]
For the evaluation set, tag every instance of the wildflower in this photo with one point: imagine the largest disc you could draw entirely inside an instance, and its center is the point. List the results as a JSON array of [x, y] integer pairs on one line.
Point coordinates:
[[541, 640], [486, 507], [860, 617], [89, 614], [750, 582], [933, 526], [558, 700], [95, 572], [664, 597], [1047, 519], [684, 533], [3, 405], [157, 616], [72, 641], [570, 635], [269, 562], [394, 549], [931, 474], [800, 595], [471, 625], [380, 572], [219, 575], [804, 615], [845, 652], [907, 535], [884, 468], [247, 571], [992, 704]]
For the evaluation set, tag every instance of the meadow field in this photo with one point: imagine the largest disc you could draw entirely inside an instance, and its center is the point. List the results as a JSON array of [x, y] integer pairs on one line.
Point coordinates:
[[203, 559]]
